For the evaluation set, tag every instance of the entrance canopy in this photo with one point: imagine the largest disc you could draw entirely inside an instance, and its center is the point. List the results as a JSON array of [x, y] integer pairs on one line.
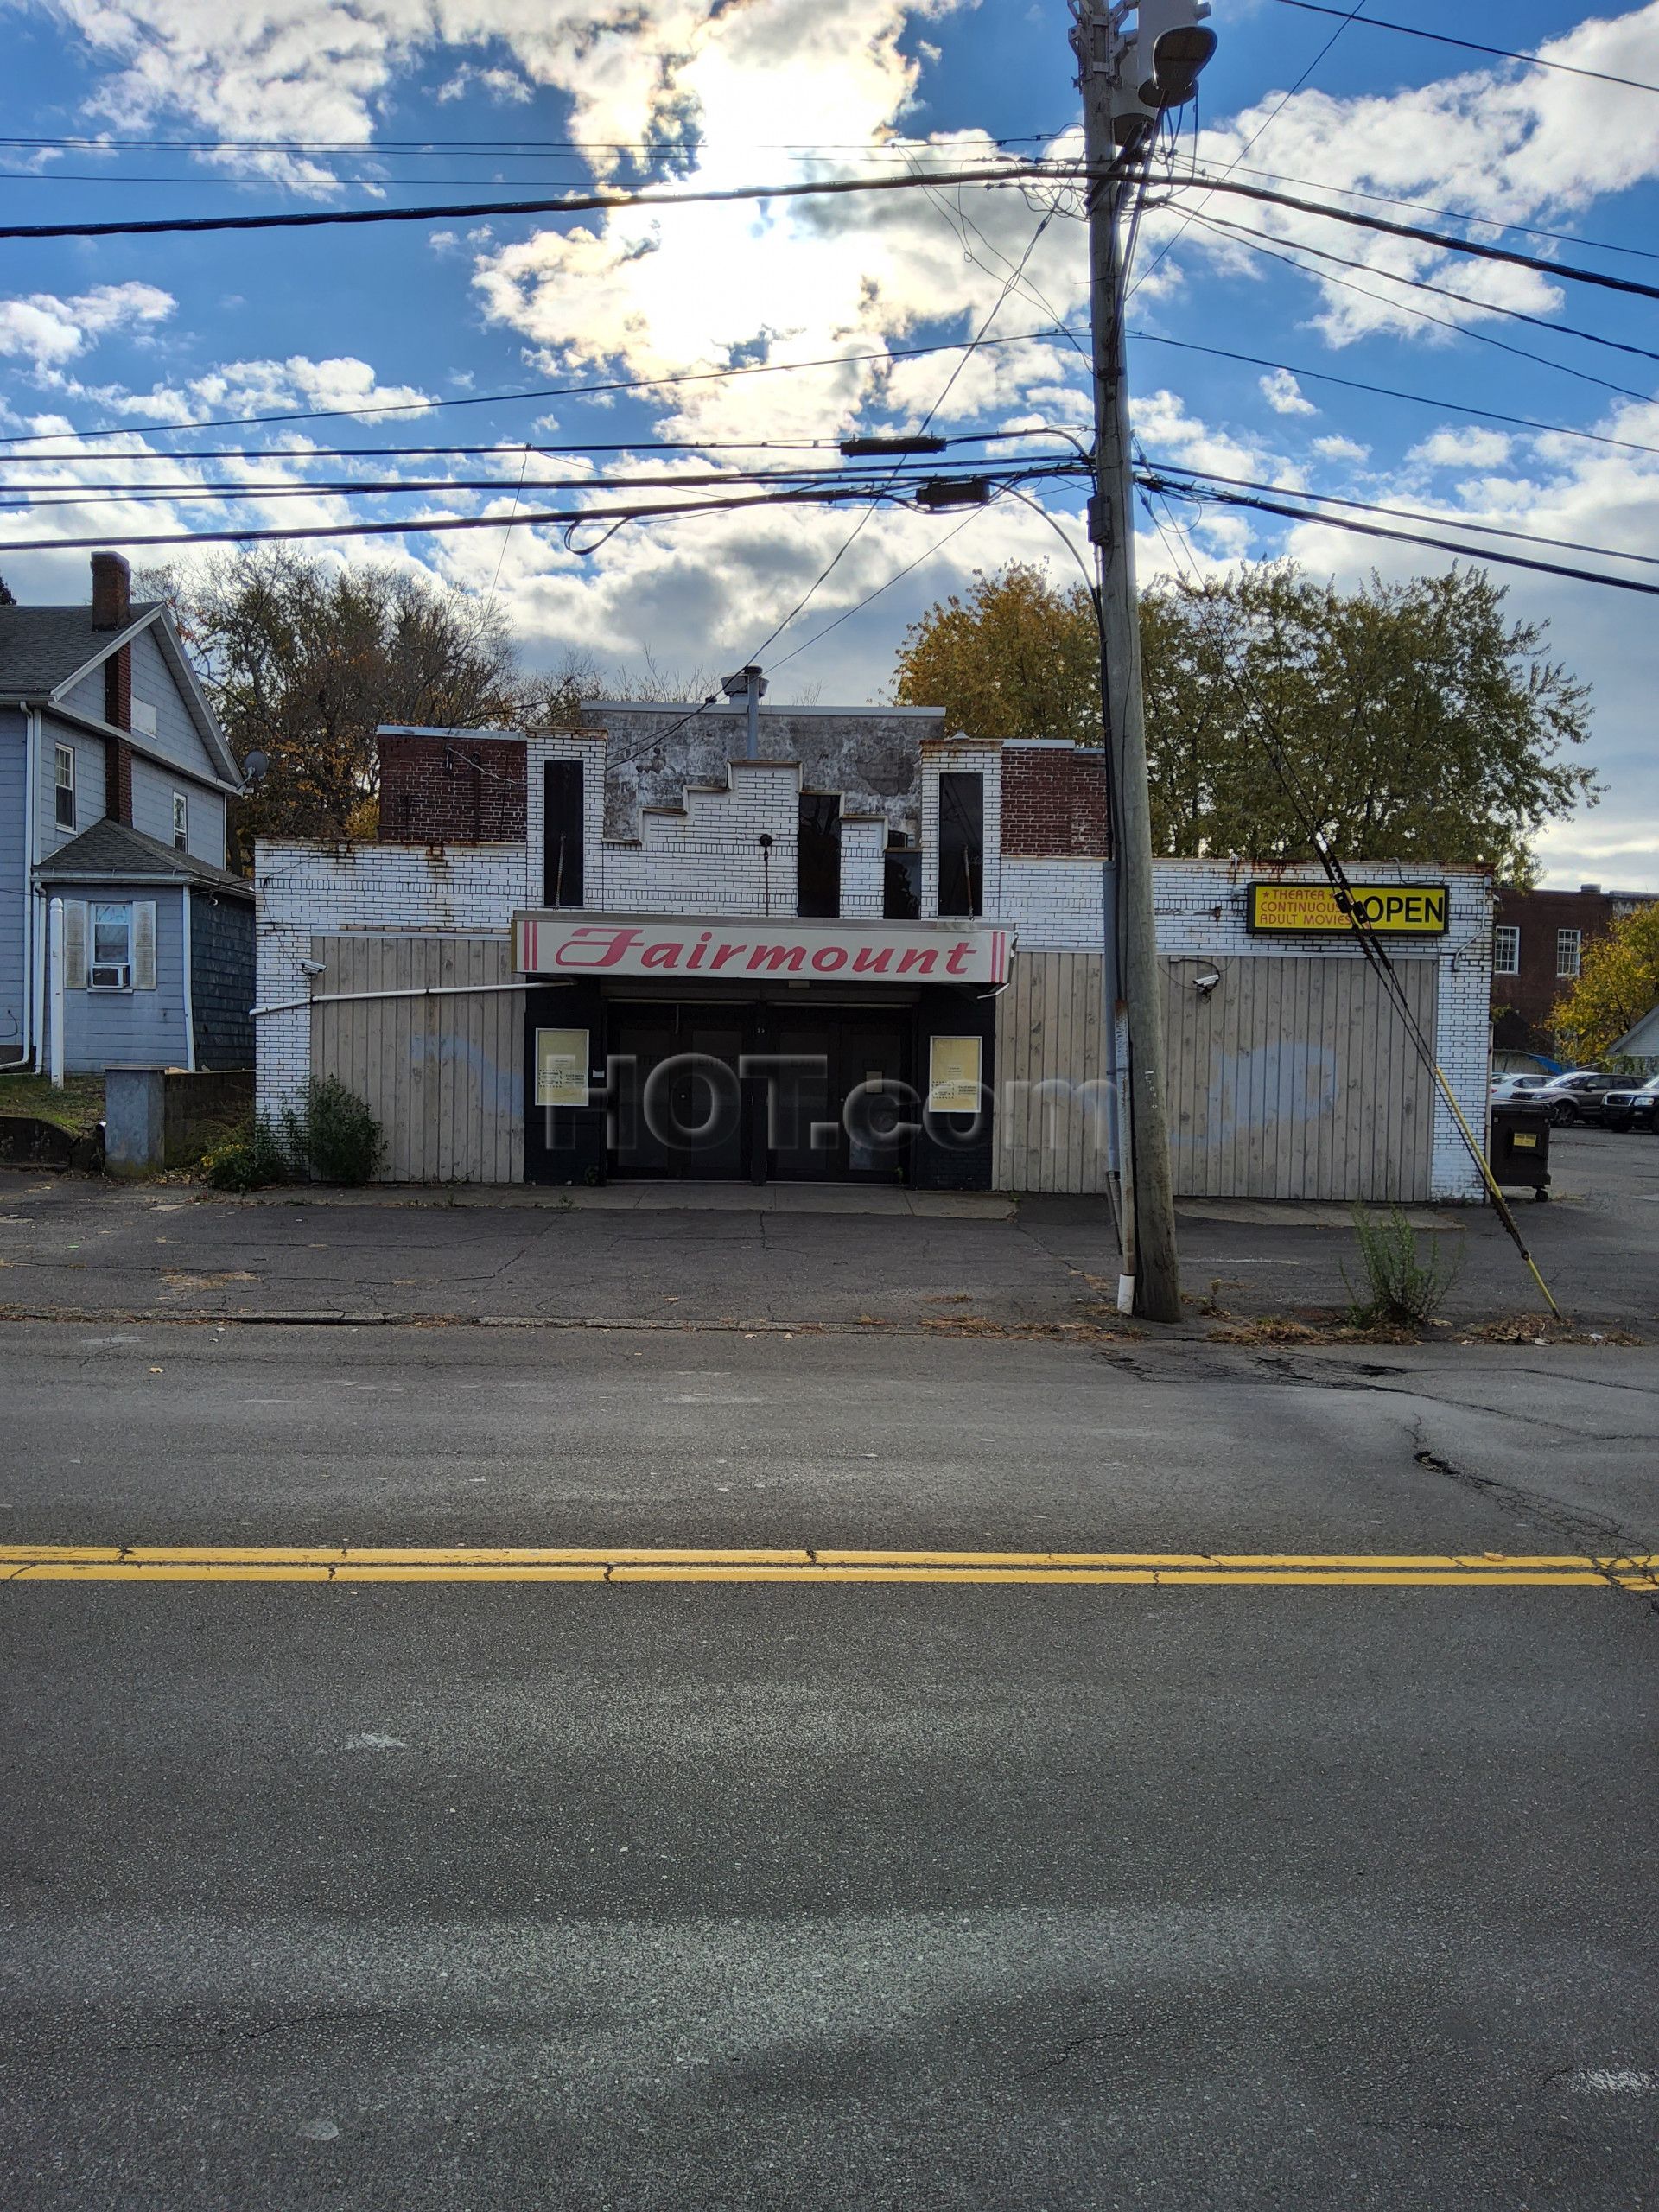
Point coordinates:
[[558, 942]]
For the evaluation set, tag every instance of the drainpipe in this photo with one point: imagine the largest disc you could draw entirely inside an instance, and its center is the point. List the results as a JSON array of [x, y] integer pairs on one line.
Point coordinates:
[[54, 932], [749, 684]]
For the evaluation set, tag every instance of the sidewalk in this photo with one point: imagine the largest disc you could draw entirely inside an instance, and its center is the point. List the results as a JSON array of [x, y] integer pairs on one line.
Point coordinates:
[[781, 1257]]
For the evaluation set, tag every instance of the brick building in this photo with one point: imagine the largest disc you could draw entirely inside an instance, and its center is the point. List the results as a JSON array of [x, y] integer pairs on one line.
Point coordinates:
[[1538, 943], [874, 951]]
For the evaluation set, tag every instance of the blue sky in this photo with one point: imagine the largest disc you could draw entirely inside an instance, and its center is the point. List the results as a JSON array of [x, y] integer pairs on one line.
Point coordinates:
[[326, 99]]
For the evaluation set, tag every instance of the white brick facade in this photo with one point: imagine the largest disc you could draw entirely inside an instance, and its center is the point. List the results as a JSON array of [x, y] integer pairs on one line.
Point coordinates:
[[706, 858]]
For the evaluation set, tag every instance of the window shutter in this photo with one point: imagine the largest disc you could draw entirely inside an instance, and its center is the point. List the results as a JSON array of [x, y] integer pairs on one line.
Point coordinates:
[[144, 945], [74, 944]]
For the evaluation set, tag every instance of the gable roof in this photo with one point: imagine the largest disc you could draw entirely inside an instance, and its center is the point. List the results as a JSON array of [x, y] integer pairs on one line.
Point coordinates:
[[46, 651], [111, 852], [44, 648]]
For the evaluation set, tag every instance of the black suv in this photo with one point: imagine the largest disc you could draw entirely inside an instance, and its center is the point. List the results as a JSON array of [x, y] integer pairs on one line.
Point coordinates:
[[1633, 1108]]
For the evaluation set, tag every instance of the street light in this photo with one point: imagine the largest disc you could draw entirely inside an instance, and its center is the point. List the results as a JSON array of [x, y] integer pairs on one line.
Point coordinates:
[[1171, 49]]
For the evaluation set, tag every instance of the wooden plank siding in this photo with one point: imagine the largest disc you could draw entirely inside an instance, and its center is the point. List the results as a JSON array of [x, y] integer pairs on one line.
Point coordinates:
[[1295, 1078], [444, 1076], [1050, 1030]]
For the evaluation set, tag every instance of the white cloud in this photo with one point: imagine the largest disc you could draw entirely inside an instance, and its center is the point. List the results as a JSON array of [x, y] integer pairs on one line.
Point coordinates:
[[499, 83], [46, 331], [1468, 447], [1340, 449], [1516, 145], [1284, 395]]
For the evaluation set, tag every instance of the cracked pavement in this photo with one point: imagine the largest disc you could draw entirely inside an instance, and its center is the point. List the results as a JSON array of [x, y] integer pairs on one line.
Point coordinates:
[[70, 1244], [693, 1899]]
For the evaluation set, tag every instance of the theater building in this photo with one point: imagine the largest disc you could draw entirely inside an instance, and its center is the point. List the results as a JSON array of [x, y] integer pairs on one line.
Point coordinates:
[[868, 950]]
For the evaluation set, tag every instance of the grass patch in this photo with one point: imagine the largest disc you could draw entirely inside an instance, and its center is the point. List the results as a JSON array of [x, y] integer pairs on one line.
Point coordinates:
[[79, 1107]]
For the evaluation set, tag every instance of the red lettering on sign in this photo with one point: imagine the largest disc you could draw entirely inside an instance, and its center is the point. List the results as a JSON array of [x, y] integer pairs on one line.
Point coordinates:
[[698, 949], [666, 955], [725, 952], [960, 955], [829, 958], [924, 962], [775, 956], [595, 948], [870, 960]]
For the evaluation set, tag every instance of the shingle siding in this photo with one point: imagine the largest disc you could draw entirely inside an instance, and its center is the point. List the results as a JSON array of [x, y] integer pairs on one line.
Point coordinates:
[[222, 980]]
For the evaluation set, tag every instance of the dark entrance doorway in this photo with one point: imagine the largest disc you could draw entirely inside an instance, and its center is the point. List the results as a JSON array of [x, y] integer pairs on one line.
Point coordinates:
[[721, 1093], [678, 1102], [838, 1110]]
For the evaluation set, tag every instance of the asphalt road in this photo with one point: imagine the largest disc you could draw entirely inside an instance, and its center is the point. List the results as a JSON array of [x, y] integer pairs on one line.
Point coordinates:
[[496, 1894]]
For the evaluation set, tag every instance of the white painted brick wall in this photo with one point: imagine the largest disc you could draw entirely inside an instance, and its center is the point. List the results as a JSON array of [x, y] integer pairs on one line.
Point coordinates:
[[305, 890], [959, 756], [863, 870]]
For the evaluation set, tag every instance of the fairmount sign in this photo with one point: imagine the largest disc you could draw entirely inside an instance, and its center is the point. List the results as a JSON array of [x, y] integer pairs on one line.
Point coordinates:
[[559, 943]]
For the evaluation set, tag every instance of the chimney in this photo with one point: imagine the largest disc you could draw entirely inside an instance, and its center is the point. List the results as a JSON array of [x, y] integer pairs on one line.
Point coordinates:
[[111, 592]]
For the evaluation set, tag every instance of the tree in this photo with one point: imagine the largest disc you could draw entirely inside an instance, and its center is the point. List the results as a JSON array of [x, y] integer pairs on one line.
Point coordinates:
[[1407, 722], [303, 660], [1617, 983], [1015, 658]]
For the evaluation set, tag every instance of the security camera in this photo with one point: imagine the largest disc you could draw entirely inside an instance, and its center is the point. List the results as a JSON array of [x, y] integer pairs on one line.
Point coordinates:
[[314, 967], [1207, 981]]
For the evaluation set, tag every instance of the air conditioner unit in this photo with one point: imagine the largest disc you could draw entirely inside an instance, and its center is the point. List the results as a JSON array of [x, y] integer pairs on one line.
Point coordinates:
[[112, 977]]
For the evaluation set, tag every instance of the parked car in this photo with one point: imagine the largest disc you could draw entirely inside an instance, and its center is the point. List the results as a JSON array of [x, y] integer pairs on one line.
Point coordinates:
[[1635, 1108], [1513, 1090], [1575, 1097]]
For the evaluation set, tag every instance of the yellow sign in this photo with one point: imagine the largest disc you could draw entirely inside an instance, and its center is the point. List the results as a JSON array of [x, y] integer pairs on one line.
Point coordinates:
[[953, 1075], [1398, 909], [561, 1067]]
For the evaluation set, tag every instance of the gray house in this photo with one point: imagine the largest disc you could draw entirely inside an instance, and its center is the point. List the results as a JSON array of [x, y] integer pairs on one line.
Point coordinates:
[[113, 782]]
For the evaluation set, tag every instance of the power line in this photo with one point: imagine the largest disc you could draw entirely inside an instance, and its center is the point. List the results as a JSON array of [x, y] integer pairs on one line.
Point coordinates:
[[1450, 214], [916, 471], [1473, 46], [1444, 322], [1440, 291], [1206, 495], [1446, 240], [540, 391], [898, 577], [1391, 391], [1414, 514], [571, 204], [1260, 131]]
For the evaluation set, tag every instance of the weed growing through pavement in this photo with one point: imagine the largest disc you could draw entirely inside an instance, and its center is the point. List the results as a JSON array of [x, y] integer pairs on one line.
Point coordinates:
[[1404, 1289]]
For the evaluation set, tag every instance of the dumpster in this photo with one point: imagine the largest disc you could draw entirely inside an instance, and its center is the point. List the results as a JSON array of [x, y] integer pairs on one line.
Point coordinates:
[[1520, 1148]]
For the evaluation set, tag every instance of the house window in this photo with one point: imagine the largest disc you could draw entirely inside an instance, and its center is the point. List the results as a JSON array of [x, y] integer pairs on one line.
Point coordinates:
[[1506, 949], [180, 820], [1568, 945], [112, 949], [66, 779], [962, 844]]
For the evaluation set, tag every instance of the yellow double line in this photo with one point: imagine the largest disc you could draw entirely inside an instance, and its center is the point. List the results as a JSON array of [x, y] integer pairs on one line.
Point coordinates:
[[1162, 1570]]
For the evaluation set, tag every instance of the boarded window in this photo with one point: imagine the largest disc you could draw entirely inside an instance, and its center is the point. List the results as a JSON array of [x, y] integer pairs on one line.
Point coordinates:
[[818, 862], [901, 892], [962, 844], [562, 835]]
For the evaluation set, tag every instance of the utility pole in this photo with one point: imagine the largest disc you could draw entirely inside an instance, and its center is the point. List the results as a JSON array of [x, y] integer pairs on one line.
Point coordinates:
[[1125, 81]]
